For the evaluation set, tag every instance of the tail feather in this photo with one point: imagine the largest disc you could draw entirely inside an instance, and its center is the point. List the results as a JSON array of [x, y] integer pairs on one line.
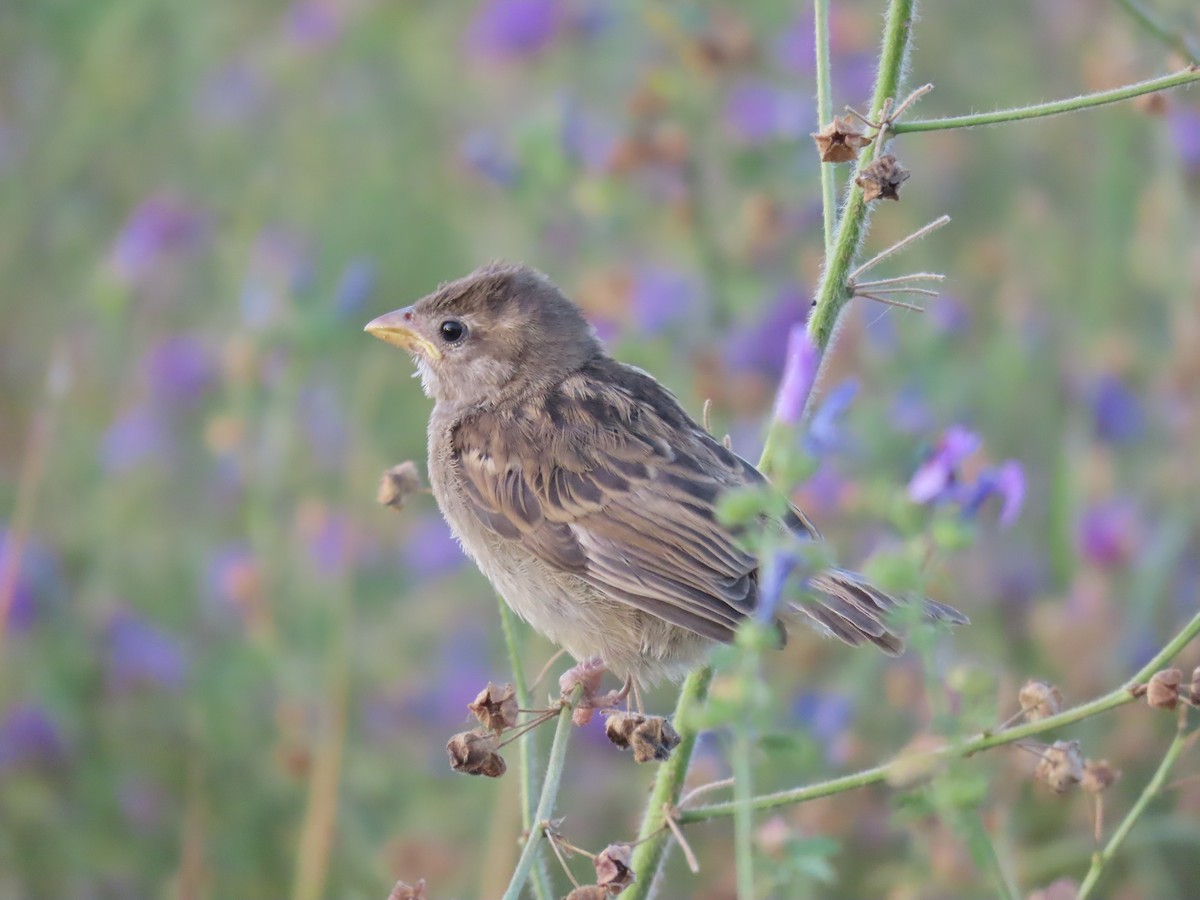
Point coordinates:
[[852, 609]]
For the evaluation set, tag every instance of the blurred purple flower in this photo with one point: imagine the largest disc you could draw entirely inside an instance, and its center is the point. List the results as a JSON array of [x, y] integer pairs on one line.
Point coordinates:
[[950, 315], [586, 139], [795, 47], [660, 297], [321, 413], [141, 654], [772, 576], [29, 738], [1006, 481], [161, 225], [757, 112], [763, 344], [909, 412], [826, 715], [313, 24], [232, 582], [354, 287], [938, 475], [37, 579], [513, 29], [142, 803], [853, 77], [484, 154], [430, 550], [280, 265], [823, 433], [1107, 533], [1117, 414], [138, 436], [235, 94], [1184, 123], [331, 542], [178, 370], [799, 373]]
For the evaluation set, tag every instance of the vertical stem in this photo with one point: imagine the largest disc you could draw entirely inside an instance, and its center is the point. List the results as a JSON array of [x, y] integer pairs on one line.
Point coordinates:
[[824, 115], [742, 764], [651, 850]]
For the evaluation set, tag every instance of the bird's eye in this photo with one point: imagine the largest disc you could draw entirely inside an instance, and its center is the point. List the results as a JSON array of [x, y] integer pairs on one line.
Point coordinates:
[[452, 330]]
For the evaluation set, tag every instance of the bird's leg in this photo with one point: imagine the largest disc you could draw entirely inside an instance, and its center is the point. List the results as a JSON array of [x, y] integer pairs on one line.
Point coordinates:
[[589, 673]]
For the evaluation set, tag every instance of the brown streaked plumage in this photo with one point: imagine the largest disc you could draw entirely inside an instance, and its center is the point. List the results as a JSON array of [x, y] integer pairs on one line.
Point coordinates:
[[583, 490]]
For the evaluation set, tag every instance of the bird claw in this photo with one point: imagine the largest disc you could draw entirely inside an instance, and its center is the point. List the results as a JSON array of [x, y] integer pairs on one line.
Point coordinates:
[[589, 674]]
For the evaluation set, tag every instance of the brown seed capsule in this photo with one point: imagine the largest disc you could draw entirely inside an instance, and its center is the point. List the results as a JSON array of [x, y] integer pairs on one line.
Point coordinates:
[[474, 752], [840, 140], [619, 727], [1162, 691], [496, 707], [403, 891], [653, 739], [1194, 689], [612, 868], [588, 892], [1098, 775], [1039, 700], [881, 180], [1061, 765], [398, 484]]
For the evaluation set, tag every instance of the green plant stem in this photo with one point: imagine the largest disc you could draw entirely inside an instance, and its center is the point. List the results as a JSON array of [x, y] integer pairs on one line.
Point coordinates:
[[1150, 23], [1152, 788], [834, 293], [983, 850], [742, 765], [824, 115], [985, 741], [1054, 108], [526, 749], [545, 806], [651, 850]]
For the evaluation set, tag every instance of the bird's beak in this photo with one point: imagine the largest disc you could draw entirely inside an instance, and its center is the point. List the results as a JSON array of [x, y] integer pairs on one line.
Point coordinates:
[[396, 329]]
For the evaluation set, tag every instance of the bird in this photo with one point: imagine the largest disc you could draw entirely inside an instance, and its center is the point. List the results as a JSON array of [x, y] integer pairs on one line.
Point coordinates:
[[588, 496]]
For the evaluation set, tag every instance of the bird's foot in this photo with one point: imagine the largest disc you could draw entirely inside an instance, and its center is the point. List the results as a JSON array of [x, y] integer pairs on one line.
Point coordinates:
[[589, 674]]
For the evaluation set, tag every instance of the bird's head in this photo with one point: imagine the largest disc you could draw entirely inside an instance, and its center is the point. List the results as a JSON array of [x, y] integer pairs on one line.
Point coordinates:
[[498, 331]]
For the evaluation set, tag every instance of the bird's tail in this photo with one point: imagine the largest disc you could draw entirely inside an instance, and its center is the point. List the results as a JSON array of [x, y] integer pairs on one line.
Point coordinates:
[[849, 607]]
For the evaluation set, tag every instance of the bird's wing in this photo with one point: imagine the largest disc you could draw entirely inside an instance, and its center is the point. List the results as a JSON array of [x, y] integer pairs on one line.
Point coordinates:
[[611, 481]]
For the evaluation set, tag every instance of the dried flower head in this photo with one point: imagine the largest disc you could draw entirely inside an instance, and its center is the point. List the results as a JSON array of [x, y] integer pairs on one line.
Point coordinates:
[[398, 484], [1039, 700], [495, 707], [1162, 691], [1099, 775], [588, 892], [474, 752], [1194, 688], [654, 739], [404, 891], [1061, 765], [840, 140], [881, 179], [612, 868], [620, 726]]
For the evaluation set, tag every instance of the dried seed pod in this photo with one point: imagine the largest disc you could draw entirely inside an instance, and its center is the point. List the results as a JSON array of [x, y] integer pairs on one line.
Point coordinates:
[[1039, 700], [403, 891], [1162, 691], [588, 892], [840, 140], [474, 752], [619, 727], [881, 179], [496, 707], [1099, 775], [398, 484], [612, 868], [653, 739], [1194, 688], [1061, 765]]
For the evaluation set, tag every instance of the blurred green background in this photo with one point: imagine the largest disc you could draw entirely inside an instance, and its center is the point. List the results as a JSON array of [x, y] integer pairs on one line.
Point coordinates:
[[226, 672]]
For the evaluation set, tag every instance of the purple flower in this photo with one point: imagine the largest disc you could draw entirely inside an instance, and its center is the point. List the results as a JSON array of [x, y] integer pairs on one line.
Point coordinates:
[[1116, 411], [660, 296], [430, 550], [823, 434], [159, 226], [853, 78], [795, 47], [179, 370], [586, 139], [280, 266], [757, 112], [484, 154], [313, 24], [232, 577], [772, 576], [236, 94], [321, 414], [29, 738], [513, 29], [762, 346], [37, 579], [138, 436], [1184, 122], [950, 315], [826, 716], [1007, 481], [141, 654], [1107, 533], [354, 288], [909, 413], [935, 477], [331, 542], [799, 373]]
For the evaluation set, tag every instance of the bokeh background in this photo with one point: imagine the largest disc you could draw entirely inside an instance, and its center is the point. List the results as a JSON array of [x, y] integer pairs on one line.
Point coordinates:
[[227, 672]]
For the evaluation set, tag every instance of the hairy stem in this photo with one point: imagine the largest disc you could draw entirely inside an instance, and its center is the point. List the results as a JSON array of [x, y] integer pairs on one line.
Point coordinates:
[[545, 806], [986, 741], [527, 748], [824, 115], [1189, 75], [1152, 788]]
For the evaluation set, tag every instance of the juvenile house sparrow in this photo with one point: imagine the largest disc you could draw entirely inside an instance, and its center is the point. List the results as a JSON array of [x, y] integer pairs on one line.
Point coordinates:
[[585, 493]]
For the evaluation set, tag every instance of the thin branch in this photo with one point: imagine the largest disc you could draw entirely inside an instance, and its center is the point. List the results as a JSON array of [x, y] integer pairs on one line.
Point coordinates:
[[901, 279], [887, 301], [895, 248], [1149, 22], [825, 114], [1038, 110], [688, 853]]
